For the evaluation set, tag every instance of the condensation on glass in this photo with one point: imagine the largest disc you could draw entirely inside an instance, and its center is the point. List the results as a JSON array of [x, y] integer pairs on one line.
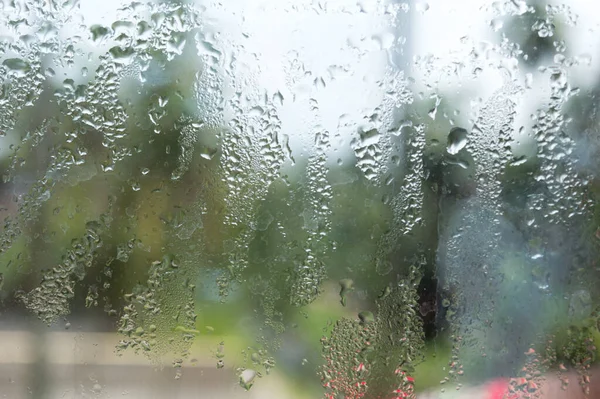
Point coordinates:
[[348, 199]]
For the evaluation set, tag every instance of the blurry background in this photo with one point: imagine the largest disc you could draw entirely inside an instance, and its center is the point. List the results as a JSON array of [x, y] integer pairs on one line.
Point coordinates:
[[295, 198]]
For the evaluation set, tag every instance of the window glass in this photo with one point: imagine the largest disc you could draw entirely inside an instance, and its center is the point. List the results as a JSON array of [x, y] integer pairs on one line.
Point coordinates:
[[298, 198]]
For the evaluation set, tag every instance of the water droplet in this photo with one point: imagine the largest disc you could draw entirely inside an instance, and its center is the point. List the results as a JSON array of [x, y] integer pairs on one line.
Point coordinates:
[[278, 99], [208, 153], [496, 24], [122, 55], [457, 140], [17, 66], [422, 7], [247, 378], [346, 285], [366, 317], [385, 292], [98, 32]]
